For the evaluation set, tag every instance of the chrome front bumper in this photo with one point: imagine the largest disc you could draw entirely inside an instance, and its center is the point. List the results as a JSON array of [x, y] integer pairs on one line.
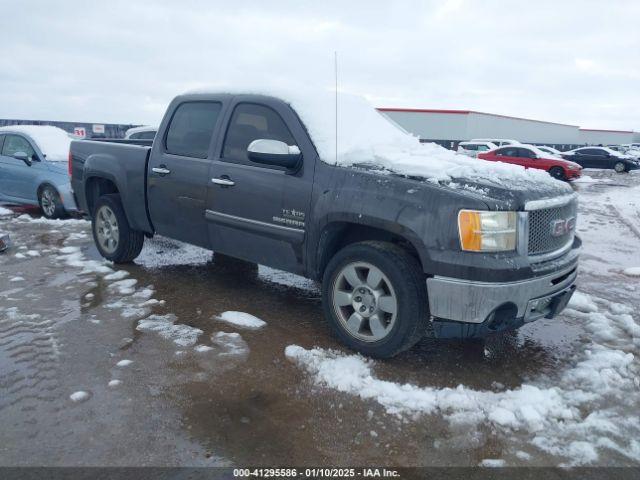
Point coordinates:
[[473, 302]]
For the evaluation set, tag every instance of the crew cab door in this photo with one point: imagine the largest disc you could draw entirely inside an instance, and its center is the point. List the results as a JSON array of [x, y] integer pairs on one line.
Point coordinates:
[[258, 212], [178, 171]]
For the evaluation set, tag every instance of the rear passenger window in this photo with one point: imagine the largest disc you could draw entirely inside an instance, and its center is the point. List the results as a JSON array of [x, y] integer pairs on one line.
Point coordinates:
[[251, 122], [191, 129]]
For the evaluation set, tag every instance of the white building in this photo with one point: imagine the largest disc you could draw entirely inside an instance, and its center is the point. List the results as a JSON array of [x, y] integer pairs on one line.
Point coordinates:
[[448, 127], [607, 137]]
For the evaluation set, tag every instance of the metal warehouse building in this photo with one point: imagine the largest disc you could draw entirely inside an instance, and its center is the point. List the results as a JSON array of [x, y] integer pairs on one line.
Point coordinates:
[[448, 127]]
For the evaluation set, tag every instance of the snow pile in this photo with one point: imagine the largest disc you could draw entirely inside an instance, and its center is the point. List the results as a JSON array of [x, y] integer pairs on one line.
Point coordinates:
[[124, 363], [79, 396], [165, 326], [230, 343], [52, 141], [366, 137], [241, 319], [552, 413], [67, 222], [632, 271], [5, 211]]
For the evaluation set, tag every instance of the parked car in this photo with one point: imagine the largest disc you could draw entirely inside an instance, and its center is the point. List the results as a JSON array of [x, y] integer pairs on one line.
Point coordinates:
[[532, 157], [602, 157], [141, 133], [497, 141], [471, 149], [550, 150], [33, 168], [399, 256]]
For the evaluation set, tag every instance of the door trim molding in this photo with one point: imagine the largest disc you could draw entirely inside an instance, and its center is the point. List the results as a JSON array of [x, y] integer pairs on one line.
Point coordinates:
[[279, 232]]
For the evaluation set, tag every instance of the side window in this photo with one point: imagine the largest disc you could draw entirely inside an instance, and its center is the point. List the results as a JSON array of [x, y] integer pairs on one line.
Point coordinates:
[[143, 136], [191, 128], [482, 148], [14, 144], [508, 152], [250, 122], [470, 147], [526, 153], [587, 151]]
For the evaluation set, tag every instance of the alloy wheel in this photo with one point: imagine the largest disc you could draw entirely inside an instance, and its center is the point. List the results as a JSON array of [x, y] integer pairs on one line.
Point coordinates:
[[364, 301], [107, 230]]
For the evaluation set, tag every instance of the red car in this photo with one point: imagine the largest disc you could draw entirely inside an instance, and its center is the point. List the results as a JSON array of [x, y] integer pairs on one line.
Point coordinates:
[[531, 157]]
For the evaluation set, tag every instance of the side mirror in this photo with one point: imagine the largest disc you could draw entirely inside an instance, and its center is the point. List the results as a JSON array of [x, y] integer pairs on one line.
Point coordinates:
[[22, 156], [274, 152]]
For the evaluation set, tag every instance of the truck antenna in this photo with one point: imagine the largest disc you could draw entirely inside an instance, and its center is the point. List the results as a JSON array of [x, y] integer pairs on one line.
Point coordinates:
[[335, 62]]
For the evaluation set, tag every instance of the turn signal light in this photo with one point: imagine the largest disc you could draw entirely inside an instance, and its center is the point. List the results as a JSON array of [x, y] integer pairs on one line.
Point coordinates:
[[482, 231]]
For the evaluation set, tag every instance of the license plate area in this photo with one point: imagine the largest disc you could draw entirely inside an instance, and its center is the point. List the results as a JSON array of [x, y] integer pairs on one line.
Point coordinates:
[[548, 306]]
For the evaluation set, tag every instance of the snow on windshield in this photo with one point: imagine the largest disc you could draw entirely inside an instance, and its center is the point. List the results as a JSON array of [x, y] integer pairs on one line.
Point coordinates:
[[52, 141], [365, 136]]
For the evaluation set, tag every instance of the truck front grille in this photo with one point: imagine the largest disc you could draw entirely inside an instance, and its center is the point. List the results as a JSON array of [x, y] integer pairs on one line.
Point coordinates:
[[551, 229]]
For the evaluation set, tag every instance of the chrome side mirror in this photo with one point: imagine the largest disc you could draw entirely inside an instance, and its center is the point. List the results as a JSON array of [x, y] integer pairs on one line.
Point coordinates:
[[274, 152]]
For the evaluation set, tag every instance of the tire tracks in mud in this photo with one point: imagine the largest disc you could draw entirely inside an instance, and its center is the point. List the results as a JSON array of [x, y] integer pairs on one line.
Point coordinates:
[[624, 220], [29, 354]]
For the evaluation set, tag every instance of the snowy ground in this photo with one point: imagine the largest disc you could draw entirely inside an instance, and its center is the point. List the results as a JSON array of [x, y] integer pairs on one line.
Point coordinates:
[[217, 363]]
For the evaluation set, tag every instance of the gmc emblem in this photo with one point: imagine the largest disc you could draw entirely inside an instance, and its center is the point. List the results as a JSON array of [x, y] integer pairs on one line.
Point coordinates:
[[562, 227]]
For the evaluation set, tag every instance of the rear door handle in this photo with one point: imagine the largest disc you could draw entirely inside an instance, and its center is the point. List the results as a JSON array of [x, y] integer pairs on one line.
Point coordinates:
[[224, 181], [161, 170]]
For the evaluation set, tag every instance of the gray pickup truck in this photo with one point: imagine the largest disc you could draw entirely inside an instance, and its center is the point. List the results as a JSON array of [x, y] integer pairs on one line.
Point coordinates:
[[399, 256]]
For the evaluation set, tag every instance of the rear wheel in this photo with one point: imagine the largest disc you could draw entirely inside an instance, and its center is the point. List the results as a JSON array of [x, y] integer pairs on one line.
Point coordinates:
[[50, 202], [620, 167], [375, 299], [115, 239], [558, 173]]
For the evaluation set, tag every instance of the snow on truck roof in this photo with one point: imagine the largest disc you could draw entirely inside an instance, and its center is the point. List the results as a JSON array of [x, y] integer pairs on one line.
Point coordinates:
[[52, 141], [365, 136]]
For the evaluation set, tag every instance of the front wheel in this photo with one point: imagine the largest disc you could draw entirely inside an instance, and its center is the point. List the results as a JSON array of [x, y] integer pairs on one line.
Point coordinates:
[[115, 239], [50, 202], [620, 167], [374, 297], [557, 173]]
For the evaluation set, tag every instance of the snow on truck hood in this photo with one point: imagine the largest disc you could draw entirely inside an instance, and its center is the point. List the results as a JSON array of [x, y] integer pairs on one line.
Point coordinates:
[[52, 141], [365, 136]]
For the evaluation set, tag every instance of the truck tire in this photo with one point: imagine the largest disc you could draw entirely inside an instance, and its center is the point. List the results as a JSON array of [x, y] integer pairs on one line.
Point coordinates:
[[558, 173], [50, 202], [374, 297], [114, 238]]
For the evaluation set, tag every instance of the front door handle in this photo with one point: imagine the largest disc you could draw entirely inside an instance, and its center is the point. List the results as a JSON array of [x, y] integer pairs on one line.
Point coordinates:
[[161, 170], [224, 181]]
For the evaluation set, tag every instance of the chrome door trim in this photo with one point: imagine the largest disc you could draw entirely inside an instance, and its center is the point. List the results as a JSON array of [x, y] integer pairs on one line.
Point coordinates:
[[290, 234]]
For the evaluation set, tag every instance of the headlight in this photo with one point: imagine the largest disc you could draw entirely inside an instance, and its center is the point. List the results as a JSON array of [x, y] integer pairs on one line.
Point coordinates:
[[487, 231]]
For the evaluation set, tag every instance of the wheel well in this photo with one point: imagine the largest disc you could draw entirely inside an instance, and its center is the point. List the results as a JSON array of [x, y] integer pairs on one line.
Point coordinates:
[[337, 236], [41, 187], [95, 188]]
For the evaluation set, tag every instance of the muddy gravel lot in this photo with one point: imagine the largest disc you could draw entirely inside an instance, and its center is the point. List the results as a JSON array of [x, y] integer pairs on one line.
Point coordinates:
[[184, 358]]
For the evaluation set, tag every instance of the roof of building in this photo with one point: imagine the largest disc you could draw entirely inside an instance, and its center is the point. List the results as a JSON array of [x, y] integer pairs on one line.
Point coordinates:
[[466, 112]]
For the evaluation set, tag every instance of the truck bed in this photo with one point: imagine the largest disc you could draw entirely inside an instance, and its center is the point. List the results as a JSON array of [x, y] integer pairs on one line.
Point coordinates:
[[122, 162]]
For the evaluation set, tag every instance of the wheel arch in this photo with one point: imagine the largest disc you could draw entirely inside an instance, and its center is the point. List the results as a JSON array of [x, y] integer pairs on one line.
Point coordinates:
[[336, 235], [95, 186]]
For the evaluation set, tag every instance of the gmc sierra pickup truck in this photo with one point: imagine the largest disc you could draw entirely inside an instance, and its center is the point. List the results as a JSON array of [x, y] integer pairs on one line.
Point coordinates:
[[453, 253]]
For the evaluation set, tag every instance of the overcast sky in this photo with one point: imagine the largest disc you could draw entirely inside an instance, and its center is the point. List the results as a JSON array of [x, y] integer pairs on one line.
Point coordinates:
[[122, 61]]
